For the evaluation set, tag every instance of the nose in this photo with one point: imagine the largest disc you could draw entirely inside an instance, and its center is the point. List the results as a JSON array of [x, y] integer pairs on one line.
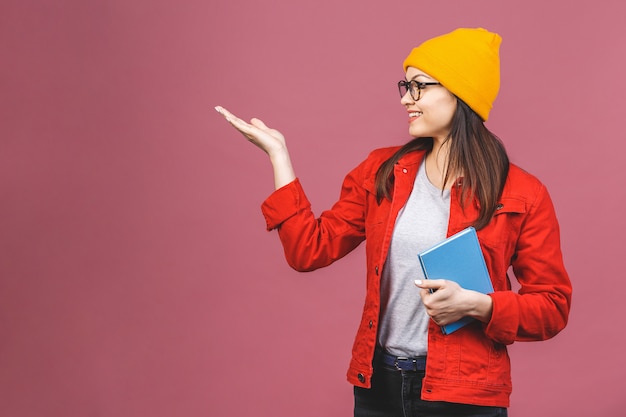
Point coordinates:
[[407, 99]]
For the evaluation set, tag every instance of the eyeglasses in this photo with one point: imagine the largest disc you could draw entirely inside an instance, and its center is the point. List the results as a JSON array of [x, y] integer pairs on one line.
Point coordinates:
[[413, 87]]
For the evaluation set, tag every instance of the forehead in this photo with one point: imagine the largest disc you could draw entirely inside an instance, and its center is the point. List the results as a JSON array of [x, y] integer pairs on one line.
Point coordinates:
[[415, 73]]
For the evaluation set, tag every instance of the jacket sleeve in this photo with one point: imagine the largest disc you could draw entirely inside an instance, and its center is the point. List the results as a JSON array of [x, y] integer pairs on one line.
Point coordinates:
[[541, 307], [309, 242]]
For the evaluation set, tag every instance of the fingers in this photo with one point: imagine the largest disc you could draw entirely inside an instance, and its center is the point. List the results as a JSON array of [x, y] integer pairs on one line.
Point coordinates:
[[232, 119], [433, 292], [430, 284], [250, 131], [236, 120], [221, 110], [444, 300], [241, 125], [258, 123]]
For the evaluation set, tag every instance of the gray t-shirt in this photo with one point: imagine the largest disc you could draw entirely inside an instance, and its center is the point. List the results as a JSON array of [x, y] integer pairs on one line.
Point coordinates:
[[421, 224]]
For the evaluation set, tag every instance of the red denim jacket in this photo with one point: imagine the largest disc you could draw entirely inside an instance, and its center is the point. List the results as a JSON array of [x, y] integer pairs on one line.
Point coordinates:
[[470, 365]]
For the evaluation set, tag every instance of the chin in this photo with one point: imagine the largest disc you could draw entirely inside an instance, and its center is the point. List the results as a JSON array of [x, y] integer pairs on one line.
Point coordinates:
[[417, 133]]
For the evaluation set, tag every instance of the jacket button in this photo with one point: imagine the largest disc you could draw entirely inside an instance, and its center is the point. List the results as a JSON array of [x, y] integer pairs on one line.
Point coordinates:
[[376, 269], [404, 170], [371, 324], [361, 378]]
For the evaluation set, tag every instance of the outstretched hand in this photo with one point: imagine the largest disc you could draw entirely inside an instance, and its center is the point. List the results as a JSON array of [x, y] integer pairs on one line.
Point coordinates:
[[271, 141]]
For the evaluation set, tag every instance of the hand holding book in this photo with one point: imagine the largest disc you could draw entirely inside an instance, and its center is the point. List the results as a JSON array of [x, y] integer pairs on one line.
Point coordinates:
[[457, 281], [447, 302]]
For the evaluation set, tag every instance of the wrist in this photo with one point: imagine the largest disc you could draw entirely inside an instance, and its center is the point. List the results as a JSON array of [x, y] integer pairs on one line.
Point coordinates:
[[283, 170], [279, 155], [481, 307]]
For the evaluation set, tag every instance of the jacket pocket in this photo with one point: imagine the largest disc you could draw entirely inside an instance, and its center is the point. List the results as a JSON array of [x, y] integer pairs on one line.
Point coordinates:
[[505, 225]]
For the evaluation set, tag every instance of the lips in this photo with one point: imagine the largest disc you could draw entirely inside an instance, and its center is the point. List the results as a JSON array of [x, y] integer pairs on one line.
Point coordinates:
[[413, 115]]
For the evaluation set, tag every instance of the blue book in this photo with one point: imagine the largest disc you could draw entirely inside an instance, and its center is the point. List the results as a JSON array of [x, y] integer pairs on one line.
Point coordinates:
[[460, 259]]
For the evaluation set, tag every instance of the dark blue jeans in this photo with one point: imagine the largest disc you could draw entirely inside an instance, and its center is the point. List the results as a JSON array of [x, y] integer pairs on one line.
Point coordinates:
[[398, 394]]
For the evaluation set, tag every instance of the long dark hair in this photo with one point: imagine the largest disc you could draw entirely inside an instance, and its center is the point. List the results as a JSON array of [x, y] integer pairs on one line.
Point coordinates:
[[474, 151]]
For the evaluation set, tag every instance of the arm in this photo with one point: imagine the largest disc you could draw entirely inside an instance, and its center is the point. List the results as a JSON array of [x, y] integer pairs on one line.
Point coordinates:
[[540, 310], [309, 242]]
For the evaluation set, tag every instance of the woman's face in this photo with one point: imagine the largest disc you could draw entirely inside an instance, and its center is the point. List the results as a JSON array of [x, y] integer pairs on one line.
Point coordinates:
[[431, 115]]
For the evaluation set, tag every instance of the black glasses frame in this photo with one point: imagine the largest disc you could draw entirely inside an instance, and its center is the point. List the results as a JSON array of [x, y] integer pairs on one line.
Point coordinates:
[[412, 86]]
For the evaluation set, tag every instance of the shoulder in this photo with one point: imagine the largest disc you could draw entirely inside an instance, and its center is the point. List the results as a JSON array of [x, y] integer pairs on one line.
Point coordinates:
[[518, 177], [522, 185], [380, 155], [365, 173], [373, 161]]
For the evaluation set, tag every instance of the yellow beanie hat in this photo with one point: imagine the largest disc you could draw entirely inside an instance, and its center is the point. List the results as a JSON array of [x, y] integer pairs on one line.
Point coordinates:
[[466, 62]]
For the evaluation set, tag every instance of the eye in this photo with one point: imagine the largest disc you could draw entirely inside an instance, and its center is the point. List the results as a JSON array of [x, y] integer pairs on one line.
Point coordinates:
[[413, 85]]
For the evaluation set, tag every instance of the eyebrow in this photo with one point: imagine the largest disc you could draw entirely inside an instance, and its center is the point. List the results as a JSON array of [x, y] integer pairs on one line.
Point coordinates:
[[420, 75]]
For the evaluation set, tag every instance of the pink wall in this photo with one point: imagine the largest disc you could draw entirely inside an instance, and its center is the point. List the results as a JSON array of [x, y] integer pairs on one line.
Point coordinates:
[[136, 277]]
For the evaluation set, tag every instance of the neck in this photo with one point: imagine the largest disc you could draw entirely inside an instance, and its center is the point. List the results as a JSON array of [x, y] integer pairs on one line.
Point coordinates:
[[436, 163]]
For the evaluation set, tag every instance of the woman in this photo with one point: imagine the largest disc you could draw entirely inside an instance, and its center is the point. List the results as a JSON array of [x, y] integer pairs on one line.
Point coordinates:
[[402, 200]]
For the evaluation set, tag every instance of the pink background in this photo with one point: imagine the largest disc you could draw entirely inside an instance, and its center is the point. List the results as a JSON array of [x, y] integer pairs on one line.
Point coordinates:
[[136, 277]]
